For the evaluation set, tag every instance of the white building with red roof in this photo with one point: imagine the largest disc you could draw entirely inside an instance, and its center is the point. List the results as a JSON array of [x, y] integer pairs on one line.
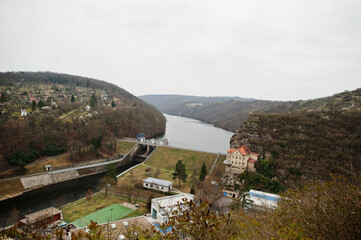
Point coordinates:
[[240, 159]]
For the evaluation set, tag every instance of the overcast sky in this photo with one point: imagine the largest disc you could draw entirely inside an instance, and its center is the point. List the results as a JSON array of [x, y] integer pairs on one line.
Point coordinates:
[[277, 50]]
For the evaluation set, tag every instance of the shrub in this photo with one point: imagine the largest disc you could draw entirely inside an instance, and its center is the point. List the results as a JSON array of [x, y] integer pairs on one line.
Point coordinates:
[[53, 150]]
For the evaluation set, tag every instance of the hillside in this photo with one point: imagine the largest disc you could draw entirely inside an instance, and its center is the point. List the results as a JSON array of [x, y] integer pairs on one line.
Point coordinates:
[[230, 112], [65, 112], [304, 145], [176, 103]]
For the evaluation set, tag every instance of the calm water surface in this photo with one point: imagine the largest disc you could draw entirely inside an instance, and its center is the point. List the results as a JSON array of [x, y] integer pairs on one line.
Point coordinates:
[[196, 135]]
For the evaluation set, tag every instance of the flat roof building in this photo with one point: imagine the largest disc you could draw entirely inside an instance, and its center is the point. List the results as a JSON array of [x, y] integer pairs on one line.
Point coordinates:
[[164, 208], [261, 199], [157, 184]]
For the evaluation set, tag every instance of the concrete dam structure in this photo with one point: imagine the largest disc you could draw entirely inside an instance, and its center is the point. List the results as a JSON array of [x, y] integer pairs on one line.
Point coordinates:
[[138, 153]]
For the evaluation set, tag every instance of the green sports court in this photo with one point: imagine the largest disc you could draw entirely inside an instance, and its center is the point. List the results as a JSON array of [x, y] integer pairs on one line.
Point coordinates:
[[110, 213]]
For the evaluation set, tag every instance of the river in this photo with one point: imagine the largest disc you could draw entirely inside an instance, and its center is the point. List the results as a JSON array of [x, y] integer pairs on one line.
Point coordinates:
[[180, 131], [192, 134]]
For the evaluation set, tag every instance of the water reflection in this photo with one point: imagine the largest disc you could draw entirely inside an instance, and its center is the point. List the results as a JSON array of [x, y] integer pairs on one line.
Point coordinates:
[[196, 135]]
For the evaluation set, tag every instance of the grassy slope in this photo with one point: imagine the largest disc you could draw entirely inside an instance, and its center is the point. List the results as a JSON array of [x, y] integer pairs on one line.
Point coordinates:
[[10, 188], [123, 147], [162, 164]]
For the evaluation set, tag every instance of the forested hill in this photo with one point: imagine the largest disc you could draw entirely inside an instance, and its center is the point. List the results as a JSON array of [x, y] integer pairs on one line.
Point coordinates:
[[67, 112], [216, 110], [320, 137], [230, 112]]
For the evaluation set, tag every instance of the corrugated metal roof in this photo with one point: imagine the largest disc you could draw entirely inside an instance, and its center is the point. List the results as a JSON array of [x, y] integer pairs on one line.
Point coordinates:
[[265, 195], [157, 181]]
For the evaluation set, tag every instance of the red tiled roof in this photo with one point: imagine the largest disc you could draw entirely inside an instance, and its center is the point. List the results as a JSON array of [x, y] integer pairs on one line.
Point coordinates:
[[252, 160], [244, 150], [232, 150]]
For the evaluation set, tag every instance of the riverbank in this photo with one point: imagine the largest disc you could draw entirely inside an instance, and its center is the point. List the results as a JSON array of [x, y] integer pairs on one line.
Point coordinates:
[[18, 185]]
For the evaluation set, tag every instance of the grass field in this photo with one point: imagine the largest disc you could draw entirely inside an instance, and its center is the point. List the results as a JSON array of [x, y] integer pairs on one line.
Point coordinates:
[[124, 147], [110, 213], [166, 158], [10, 188], [162, 163], [83, 207], [57, 161]]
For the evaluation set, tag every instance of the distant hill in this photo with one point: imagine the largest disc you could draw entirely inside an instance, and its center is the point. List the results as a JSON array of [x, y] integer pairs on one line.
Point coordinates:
[[67, 112], [230, 112], [216, 110]]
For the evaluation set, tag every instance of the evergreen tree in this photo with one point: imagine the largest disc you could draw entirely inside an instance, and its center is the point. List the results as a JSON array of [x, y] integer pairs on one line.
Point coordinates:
[[72, 98], [203, 173], [93, 101], [180, 172], [112, 172], [33, 105], [113, 104], [41, 104]]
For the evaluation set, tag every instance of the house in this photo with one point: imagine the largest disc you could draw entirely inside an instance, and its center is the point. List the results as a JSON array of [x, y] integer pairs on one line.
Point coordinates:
[[240, 159], [42, 218], [23, 113], [263, 200], [164, 208], [33, 99], [87, 108], [231, 193], [157, 184]]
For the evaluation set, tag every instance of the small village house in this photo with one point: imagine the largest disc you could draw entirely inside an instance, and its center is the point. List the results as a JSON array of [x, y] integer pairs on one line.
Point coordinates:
[[23, 113], [157, 184], [42, 218], [240, 159], [33, 99], [164, 208], [231, 193]]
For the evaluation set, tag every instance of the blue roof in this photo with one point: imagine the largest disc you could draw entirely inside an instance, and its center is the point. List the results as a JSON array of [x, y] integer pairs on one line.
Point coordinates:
[[265, 195], [168, 229]]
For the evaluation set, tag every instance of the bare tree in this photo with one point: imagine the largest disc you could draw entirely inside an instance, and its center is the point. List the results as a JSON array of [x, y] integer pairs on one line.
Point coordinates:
[[89, 195]]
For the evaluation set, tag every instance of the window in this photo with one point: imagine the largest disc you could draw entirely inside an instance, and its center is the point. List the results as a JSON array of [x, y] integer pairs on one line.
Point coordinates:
[[154, 213], [146, 184]]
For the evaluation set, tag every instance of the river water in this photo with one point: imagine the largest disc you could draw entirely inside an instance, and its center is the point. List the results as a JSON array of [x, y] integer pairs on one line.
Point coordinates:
[[180, 131], [192, 134]]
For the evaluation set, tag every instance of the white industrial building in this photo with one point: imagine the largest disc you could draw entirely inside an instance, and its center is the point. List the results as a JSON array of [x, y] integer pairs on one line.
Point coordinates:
[[263, 200], [164, 208], [157, 184]]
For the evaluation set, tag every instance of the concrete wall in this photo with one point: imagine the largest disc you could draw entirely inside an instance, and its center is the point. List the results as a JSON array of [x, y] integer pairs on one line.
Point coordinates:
[[46, 179]]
